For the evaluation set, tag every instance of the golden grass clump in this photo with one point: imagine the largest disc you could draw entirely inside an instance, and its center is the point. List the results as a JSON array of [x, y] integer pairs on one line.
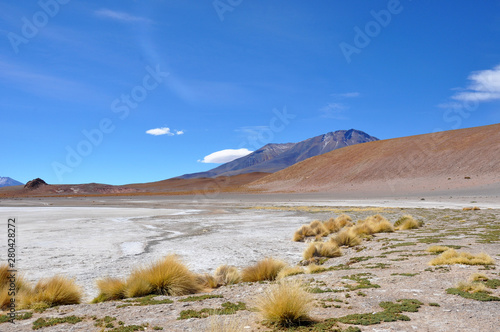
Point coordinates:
[[313, 268], [343, 220], [266, 269], [47, 293], [319, 228], [6, 287], [406, 222], [472, 287], [322, 249], [437, 249], [290, 271], [110, 289], [303, 232], [346, 237], [472, 208], [285, 304], [225, 324], [451, 256], [227, 275], [207, 281], [379, 224], [331, 225], [169, 276], [363, 228]]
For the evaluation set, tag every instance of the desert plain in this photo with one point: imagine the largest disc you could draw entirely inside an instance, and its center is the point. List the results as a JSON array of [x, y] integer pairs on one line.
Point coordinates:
[[87, 238]]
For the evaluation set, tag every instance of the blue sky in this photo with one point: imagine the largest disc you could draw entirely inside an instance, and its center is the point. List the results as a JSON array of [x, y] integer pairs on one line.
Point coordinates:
[[138, 91]]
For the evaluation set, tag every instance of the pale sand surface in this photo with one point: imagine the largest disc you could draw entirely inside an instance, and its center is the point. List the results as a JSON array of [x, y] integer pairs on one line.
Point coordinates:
[[88, 238]]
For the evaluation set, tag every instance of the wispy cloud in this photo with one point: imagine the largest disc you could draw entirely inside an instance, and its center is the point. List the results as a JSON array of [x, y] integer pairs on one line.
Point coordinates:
[[225, 156], [164, 131], [346, 95], [484, 86], [334, 111], [120, 16]]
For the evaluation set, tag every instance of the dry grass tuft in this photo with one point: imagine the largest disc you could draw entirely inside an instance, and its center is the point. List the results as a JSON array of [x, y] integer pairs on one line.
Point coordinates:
[[406, 222], [225, 324], [169, 276], [322, 249], [208, 281], [110, 289], [451, 256], [478, 277], [55, 291], [290, 271], [303, 232], [266, 269], [343, 220], [346, 237], [313, 268], [363, 228], [472, 208], [227, 275], [437, 249], [20, 286], [285, 304], [471, 287]]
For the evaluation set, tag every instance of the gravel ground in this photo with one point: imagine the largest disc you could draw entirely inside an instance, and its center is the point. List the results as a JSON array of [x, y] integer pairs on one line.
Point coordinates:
[[96, 238]]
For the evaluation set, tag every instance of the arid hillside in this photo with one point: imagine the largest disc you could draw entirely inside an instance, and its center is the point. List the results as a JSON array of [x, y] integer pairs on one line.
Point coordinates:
[[174, 186], [457, 159]]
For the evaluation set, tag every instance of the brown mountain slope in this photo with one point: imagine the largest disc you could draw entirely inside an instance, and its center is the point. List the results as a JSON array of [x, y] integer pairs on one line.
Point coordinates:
[[456, 159], [166, 187]]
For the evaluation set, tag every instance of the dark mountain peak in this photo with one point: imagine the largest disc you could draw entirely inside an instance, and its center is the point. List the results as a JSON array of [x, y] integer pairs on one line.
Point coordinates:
[[5, 181], [34, 184], [273, 157]]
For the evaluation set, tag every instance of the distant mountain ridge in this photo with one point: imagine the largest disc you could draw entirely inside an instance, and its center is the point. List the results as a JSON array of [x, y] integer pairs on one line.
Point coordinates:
[[8, 182], [275, 157]]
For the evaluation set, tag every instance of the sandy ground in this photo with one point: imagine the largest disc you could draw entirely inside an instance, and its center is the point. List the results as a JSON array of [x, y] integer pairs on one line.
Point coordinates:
[[89, 238]]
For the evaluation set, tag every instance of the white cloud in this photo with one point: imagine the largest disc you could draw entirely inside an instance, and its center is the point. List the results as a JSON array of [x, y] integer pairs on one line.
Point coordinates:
[[484, 86], [120, 16], [225, 156], [164, 131]]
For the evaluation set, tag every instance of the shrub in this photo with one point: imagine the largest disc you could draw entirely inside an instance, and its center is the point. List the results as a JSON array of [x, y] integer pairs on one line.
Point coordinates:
[[55, 291], [266, 269], [169, 276], [451, 256], [406, 222], [110, 289], [227, 275], [346, 237], [285, 304]]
